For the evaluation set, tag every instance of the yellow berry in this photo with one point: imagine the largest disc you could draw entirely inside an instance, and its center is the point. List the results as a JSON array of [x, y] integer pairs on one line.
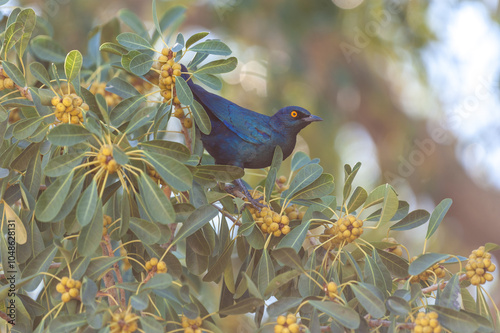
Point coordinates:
[[285, 230], [294, 328], [161, 267], [8, 83], [281, 320], [67, 101], [188, 122], [65, 297], [55, 100], [73, 292], [64, 280], [154, 261], [60, 288], [78, 284], [70, 283], [277, 233]]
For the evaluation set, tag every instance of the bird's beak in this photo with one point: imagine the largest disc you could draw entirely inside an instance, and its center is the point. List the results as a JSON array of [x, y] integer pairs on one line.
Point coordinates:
[[312, 118]]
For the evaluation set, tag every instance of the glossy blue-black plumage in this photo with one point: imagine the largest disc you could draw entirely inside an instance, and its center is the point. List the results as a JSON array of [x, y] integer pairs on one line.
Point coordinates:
[[245, 138]]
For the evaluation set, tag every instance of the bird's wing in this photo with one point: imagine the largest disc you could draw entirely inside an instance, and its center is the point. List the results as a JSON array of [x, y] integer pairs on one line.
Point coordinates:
[[251, 126]]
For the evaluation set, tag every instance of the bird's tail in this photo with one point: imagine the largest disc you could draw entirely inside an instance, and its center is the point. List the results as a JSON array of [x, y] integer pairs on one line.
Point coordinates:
[[187, 77]]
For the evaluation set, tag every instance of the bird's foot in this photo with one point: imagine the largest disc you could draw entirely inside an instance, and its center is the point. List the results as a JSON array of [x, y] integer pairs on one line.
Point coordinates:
[[257, 203]]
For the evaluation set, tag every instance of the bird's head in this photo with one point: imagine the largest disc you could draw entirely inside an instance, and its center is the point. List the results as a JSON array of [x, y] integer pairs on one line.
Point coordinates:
[[294, 118]]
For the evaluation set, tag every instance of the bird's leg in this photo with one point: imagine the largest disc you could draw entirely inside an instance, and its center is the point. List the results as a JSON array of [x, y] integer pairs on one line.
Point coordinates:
[[250, 198]]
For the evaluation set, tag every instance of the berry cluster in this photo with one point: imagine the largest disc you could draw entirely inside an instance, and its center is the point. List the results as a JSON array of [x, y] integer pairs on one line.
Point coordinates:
[[155, 176], [271, 222], [179, 113], [331, 290], [100, 88], [68, 288], [436, 269], [346, 229], [293, 213], [155, 265], [105, 157], [281, 184], [123, 322], [479, 267], [191, 325], [169, 70], [105, 224], [69, 108], [427, 323], [5, 81], [286, 324], [397, 249]]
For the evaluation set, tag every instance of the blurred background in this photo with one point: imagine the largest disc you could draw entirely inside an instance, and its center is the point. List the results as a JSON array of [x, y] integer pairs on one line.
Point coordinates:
[[408, 88]]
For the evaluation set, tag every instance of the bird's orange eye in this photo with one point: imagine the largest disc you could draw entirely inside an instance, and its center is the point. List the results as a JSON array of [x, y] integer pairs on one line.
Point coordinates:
[[294, 114]]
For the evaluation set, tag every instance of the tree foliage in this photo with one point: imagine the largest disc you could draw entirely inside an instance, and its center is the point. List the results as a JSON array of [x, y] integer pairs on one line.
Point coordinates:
[[111, 224]]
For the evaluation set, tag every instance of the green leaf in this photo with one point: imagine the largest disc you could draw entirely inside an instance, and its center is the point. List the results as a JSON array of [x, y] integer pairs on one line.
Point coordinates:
[[141, 117], [304, 177], [173, 172], [62, 164], [201, 118], [90, 236], [344, 315], [279, 281], [147, 232], [448, 298], [211, 81], [87, 204], [141, 64], [46, 49], [299, 159], [455, 321], [218, 66], [349, 179], [319, 188], [223, 173], [394, 263], [270, 181], [113, 48], [67, 323], [437, 216], [277, 158], [173, 149], [212, 47], [13, 34], [150, 324], [215, 271], [26, 127], [40, 263], [195, 38], [265, 271], [14, 73], [169, 19], [130, 18], [68, 135], [383, 194], [295, 237], [51, 200], [121, 88], [358, 197], [183, 92], [287, 256], [489, 247], [133, 41], [27, 18], [370, 298], [412, 220], [398, 306], [73, 65], [195, 221], [40, 73], [124, 110], [158, 205], [423, 262], [243, 307]]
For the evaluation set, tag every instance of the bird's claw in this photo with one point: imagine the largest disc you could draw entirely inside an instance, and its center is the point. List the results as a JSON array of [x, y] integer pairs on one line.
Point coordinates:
[[256, 203]]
